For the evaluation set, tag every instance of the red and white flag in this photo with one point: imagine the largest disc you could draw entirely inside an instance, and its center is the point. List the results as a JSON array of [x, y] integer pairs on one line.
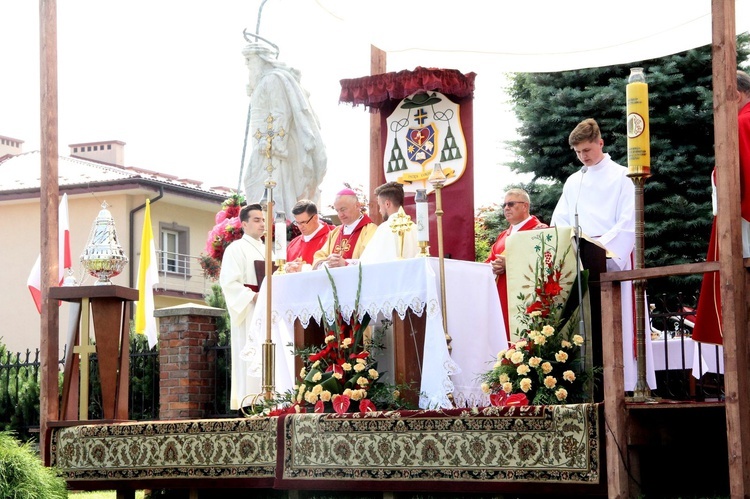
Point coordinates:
[[35, 277]]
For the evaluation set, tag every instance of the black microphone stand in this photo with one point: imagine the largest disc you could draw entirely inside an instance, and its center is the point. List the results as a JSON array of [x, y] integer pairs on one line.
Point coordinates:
[[577, 234]]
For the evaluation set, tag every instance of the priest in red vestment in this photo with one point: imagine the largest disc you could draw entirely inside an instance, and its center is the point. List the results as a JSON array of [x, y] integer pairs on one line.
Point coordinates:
[[314, 233], [347, 241], [708, 326], [516, 210]]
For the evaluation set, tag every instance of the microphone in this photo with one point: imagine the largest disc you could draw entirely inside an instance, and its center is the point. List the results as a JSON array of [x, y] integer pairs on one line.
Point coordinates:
[[581, 322]]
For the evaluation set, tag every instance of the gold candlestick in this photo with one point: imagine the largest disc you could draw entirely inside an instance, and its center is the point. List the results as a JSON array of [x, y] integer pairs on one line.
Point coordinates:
[[437, 179], [639, 169]]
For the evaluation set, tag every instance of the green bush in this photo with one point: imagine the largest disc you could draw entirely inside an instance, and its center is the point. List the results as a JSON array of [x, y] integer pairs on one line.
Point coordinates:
[[22, 474]]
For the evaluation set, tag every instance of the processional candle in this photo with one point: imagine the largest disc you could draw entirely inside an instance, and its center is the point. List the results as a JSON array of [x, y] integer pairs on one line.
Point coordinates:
[[423, 215], [639, 149]]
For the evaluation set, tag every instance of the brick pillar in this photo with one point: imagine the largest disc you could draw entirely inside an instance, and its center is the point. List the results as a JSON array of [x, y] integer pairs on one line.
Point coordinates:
[[186, 371]]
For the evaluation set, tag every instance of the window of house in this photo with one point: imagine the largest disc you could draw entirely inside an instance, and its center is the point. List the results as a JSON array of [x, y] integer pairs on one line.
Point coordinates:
[[175, 250]]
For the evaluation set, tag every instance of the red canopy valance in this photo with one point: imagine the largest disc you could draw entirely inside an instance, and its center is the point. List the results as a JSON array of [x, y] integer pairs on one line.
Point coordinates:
[[377, 90]]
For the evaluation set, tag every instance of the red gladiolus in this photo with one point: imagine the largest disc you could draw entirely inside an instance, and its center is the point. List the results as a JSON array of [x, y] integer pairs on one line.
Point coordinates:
[[552, 288], [537, 305]]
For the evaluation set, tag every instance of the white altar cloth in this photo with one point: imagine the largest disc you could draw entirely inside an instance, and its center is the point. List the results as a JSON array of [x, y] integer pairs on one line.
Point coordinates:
[[475, 320], [699, 363]]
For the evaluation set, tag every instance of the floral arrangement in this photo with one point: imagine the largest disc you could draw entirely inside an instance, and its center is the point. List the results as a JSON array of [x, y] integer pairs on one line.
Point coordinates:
[[545, 366], [341, 375], [228, 228]]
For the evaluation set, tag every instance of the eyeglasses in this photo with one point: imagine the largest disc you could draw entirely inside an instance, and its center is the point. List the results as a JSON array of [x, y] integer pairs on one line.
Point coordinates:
[[511, 204], [305, 222]]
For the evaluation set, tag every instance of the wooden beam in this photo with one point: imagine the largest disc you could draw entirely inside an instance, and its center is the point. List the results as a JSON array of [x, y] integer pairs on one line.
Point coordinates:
[[655, 272], [733, 278], [48, 206], [377, 66], [615, 416]]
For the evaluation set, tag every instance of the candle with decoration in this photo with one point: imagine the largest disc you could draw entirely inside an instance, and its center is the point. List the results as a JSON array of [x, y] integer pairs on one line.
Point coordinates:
[[423, 222], [639, 150]]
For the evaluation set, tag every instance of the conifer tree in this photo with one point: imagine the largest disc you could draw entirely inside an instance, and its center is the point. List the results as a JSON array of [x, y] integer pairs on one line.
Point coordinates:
[[677, 200]]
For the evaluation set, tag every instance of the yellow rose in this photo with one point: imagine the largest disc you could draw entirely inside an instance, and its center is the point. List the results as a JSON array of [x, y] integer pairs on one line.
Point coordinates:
[[521, 344], [517, 357], [316, 377], [550, 381], [569, 376], [509, 353], [359, 367], [578, 339], [338, 375], [566, 344], [325, 396], [361, 361], [362, 381], [330, 338], [546, 368], [525, 384], [485, 388], [311, 397], [523, 369], [540, 339], [503, 378], [501, 355], [346, 366], [356, 395], [346, 343], [507, 387], [535, 361], [302, 373], [561, 356], [373, 374], [317, 389], [548, 330], [561, 394]]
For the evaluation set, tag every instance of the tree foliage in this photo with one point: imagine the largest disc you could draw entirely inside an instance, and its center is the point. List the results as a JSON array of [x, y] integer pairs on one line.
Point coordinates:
[[677, 197]]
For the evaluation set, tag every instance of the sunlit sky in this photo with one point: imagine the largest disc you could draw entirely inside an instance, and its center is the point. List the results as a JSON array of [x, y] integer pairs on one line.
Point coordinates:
[[168, 78]]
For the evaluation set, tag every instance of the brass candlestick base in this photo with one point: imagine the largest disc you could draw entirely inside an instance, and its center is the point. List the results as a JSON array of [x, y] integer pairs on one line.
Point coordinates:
[[424, 249]]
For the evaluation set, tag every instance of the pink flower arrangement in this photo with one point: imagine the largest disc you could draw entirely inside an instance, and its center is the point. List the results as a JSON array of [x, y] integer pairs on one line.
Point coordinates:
[[228, 228]]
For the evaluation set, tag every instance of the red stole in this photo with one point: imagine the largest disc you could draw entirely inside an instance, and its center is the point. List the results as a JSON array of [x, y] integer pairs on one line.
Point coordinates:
[[298, 247], [497, 249], [344, 245]]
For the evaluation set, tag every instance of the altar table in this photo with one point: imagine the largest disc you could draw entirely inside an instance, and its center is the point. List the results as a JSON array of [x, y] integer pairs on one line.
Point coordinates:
[[475, 320]]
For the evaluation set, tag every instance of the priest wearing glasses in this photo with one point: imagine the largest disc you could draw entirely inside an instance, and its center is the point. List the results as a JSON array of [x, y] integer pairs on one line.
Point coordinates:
[[516, 209], [314, 234]]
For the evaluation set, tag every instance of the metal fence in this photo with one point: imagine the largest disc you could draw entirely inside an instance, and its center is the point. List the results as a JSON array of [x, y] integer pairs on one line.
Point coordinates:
[[685, 369]]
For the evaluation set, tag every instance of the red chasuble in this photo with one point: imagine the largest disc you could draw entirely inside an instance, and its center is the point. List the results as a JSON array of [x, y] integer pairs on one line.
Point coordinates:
[[708, 324], [344, 245], [299, 248], [496, 250]]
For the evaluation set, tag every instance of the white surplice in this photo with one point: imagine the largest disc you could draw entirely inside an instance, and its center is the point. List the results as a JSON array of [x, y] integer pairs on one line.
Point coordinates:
[[238, 269], [384, 244], [604, 197]]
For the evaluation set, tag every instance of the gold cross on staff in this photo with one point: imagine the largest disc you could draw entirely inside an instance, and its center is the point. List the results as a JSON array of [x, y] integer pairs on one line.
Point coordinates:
[[400, 225], [269, 135]]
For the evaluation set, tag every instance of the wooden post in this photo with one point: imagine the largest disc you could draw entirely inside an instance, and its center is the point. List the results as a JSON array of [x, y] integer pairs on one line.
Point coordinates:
[[48, 205], [377, 66], [733, 291], [615, 414]]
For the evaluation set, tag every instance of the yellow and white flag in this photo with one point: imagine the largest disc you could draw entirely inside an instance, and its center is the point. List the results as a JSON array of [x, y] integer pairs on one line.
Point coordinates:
[[148, 276]]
